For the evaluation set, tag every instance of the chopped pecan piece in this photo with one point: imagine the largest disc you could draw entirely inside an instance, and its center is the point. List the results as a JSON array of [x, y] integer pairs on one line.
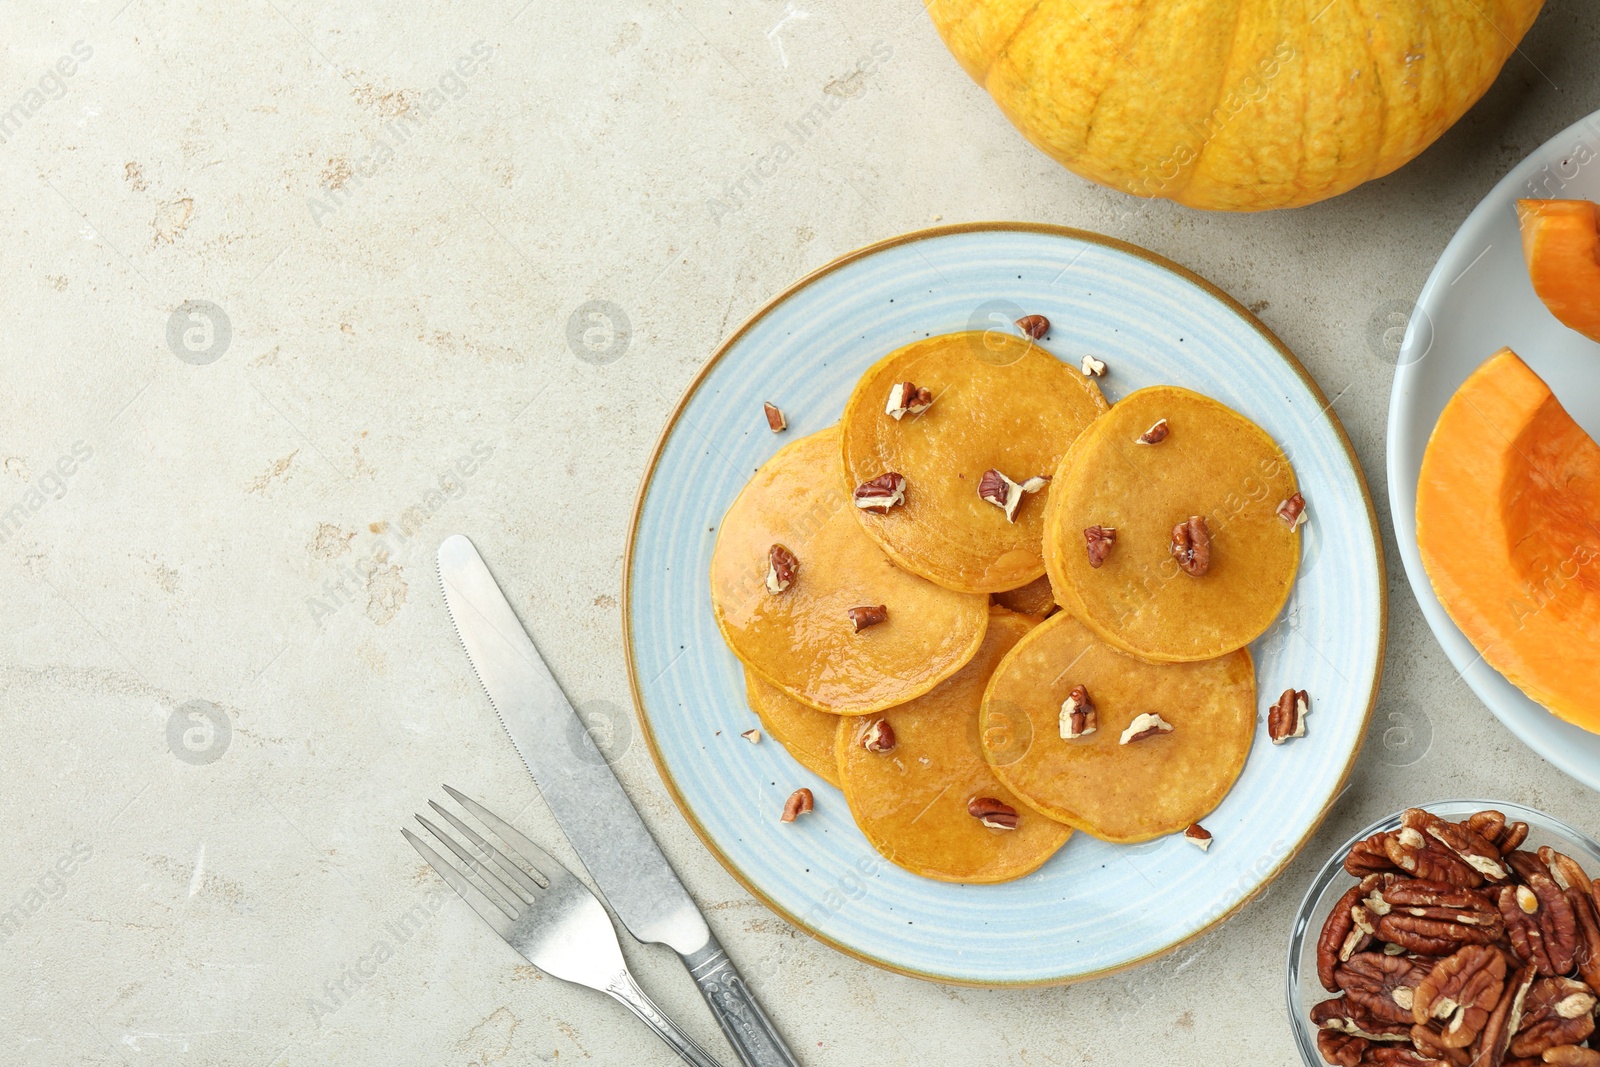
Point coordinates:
[[752, 735], [905, 399], [1006, 494], [1460, 992], [1199, 835], [1572, 1056], [1155, 434], [880, 494], [1341, 1049], [1078, 717], [800, 802], [1288, 716], [1100, 540], [1191, 546], [1035, 326], [867, 615], [775, 420], [781, 568], [993, 813], [1092, 368], [1293, 511], [1558, 1011], [878, 736], [1145, 724], [1540, 924], [1383, 986]]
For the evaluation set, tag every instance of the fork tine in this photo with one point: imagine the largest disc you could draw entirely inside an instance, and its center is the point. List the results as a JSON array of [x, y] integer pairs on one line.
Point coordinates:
[[523, 878], [495, 884], [488, 910], [525, 850]]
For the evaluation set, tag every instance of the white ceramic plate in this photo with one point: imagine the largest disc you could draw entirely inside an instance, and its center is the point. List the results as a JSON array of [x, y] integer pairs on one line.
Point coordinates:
[[1477, 300], [1094, 907]]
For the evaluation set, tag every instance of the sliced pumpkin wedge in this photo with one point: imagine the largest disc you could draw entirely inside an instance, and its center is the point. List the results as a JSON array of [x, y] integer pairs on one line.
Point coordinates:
[[1561, 242], [1508, 525]]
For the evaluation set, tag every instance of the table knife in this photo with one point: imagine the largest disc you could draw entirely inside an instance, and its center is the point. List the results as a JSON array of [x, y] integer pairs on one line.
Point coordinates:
[[588, 802]]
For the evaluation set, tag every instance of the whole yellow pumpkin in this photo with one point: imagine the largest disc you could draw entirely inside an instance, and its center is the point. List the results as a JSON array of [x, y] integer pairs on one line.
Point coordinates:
[[1237, 105]]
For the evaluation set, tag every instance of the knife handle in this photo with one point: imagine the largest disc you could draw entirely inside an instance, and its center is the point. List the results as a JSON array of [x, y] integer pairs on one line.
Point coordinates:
[[747, 1027]]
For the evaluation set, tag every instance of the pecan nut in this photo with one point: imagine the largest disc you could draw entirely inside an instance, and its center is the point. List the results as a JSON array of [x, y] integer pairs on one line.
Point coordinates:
[[1370, 855], [781, 568], [1572, 1056], [1558, 1011], [1288, 716], [1586, 957], [1425, 857], [867, 615], [1100, 539], [1035, 326], [1383, 986], [1191, 546], [880, 494], [1540, 924], [1347, 930], [1092, 368], [1199, 836], [1564, 870], [1492, 826], [1341, 1049], [1471, 848], [907, 398], [1344, 1017], [1460, 992], [1078, 717], [1492, 1044], [1434, 919], [994, 814]]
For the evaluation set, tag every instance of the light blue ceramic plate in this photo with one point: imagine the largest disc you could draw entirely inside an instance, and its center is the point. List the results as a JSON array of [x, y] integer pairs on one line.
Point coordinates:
[[1478, 299], [1094, 907]]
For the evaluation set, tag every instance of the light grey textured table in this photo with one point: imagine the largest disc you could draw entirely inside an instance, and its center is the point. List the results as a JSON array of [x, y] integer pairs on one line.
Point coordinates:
[[226, 676]]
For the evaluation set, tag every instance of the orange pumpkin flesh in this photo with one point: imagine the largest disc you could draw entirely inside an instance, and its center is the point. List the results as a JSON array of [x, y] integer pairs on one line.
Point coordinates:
[[1508, 525], [1561, 242]]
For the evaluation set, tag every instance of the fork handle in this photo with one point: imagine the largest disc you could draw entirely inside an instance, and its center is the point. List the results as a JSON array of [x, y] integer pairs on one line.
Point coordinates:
[[626, 991], [747, 1027]]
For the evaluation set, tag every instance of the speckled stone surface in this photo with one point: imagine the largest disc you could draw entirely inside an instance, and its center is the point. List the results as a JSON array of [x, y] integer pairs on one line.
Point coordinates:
[[293, 290]]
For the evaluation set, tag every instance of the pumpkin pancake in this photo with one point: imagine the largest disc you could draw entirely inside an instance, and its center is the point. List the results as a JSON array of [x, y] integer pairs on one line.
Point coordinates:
[[1117, 792], [998, 402], [1212, 463], [1036, 598], [805, 733], [808, 639], [912, 801]]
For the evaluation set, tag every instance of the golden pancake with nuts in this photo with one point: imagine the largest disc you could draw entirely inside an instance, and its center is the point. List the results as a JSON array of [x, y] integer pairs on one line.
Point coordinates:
[[1171, 527], [810, 602], [948, 446], [805, 733], [1123, 749], [921, 792]]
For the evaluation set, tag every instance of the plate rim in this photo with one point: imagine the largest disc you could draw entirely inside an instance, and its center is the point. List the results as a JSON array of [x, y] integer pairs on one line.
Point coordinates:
[[1405, 523], [910, 237]]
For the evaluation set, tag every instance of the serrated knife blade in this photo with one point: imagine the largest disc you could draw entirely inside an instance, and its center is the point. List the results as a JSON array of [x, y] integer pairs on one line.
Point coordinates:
[[588, 802]]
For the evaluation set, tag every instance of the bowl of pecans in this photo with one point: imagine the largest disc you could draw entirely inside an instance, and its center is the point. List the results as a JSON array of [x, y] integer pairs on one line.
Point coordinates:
[[1465, 932]]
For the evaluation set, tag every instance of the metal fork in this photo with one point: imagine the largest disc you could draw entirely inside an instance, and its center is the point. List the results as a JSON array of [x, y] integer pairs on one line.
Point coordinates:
[[544, 912]]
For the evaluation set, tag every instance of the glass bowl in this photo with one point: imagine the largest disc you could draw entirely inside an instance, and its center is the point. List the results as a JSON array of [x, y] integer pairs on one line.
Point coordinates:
[[1304, 990]]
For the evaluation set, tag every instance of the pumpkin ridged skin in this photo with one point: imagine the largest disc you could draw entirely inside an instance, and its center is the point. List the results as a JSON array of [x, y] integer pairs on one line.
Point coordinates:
[[1561, 242], [1234, 105], [1508, 526]]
